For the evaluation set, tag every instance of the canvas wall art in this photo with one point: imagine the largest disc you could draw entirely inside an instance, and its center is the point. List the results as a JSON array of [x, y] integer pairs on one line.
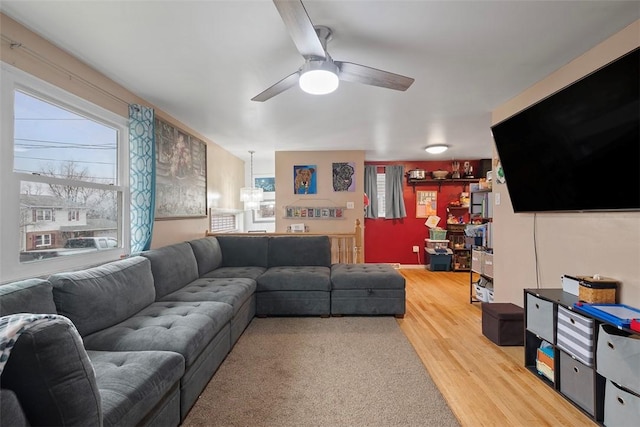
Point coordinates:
[[344, 176], [181, 173], [305, 179]]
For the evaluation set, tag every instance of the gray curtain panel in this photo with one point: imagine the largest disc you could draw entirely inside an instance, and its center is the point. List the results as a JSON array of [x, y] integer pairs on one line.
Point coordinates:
[[371, 189], [394, 202]]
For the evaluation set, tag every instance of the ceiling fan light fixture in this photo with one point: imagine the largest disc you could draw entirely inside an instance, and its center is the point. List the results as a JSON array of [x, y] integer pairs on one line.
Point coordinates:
[[436, 148], [319, 77]]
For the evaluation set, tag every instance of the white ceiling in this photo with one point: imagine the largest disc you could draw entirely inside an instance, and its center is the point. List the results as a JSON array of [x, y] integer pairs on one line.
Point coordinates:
[[202, 62]]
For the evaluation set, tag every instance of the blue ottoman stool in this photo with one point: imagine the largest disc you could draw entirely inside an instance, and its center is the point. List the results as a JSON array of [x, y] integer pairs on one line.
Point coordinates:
[[367, 289]]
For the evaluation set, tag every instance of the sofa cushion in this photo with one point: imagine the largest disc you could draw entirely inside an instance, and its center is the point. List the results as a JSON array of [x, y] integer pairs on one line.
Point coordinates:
[[49, 371], [27, 296], [234, 292], [208, 254], [132, 383], [299, 251], [295, 279], [183, 327], [366, 276], [231, 272], [242, 251], [100, 297], [173, 267]]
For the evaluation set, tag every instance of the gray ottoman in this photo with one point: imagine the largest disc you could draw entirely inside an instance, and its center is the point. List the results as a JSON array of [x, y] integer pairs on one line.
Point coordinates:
[[367, 289]]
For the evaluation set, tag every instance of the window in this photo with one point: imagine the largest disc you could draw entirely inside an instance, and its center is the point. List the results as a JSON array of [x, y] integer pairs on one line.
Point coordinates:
[[68, 158], [223, 223], [43, 240], [381, 188], [43, 214]]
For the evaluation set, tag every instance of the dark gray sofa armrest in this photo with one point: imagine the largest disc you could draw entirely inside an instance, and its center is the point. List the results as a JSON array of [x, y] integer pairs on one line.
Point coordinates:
[[50, 373], [11, 413]]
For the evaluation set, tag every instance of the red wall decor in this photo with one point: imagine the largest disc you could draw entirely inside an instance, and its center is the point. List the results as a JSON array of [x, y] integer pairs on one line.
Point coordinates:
[[392, 240]]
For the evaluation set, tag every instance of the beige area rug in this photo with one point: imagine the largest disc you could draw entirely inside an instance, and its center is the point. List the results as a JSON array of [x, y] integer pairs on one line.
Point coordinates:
[[340, 371]]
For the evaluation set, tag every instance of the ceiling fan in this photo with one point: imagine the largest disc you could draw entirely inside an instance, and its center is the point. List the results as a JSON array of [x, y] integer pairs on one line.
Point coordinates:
[[320, 74]]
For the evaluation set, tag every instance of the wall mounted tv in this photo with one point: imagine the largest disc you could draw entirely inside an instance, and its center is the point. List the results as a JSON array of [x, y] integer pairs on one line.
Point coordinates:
[[578, 149]]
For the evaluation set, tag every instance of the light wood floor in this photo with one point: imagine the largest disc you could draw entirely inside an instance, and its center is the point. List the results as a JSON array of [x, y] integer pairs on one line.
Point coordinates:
[[484, 384]]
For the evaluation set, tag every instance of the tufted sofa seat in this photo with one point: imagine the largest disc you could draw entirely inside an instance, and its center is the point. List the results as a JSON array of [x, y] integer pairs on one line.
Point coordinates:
[[367, 289]]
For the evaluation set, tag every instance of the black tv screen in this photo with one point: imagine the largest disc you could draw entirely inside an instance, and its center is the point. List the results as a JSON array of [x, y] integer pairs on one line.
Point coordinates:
[[578, 149]]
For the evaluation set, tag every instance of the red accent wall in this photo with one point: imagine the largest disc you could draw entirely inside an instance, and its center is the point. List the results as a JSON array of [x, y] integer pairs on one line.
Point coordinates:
[[392, 240]]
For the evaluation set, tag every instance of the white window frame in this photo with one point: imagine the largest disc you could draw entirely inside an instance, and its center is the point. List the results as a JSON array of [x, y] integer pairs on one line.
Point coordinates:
[[73, 215], [41, 215], [45, 238], [11, 268]]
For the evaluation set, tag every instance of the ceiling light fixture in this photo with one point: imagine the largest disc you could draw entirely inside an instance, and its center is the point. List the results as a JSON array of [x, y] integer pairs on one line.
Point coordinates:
[[319, 77], [436, 148], [251, 196]]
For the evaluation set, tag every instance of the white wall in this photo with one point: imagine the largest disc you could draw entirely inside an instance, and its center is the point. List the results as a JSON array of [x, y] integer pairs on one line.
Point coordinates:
[[566, 243]]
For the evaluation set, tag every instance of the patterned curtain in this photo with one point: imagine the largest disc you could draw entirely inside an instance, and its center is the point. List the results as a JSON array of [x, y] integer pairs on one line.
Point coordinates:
[[394, 200], [371, 189], [142, 176]]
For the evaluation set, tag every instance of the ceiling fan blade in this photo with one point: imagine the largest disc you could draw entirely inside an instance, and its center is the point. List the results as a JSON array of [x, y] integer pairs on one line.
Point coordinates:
[[357, 73], [284, 84], [300, 28]]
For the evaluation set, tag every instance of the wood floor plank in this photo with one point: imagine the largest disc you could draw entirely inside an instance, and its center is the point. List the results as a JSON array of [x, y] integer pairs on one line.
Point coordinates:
[[485, 384]]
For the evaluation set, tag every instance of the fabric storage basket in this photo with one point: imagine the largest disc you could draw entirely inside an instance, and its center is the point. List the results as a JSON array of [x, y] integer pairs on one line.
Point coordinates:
[[597, 290], [576, 382], [540, 317], [618, 357], [620, 406], [575, 335], [477, 260]]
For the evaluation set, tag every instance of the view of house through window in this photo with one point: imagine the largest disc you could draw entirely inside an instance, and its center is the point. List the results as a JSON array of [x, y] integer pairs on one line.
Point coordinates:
[[67, 163]]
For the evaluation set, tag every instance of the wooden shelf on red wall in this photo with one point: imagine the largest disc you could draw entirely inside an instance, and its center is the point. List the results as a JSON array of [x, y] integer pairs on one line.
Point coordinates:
[[430, 181]]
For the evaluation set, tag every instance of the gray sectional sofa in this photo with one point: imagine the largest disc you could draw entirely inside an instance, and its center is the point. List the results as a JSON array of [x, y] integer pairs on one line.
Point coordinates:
[[135, 341]]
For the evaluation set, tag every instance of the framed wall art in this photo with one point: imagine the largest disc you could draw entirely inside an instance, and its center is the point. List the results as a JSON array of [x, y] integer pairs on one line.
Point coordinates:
[[266, 212], [304, 179], [181, 173], [344, 176]]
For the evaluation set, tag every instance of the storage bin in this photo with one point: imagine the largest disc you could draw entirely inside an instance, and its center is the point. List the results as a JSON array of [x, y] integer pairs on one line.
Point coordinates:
[[436, 244], [601, 290], [503, 323], [437, 234], [487, 266], [489, 293], [440, 262], [575, 335], [480, 292], [477, 260], [618, 357], [620, 406], [456, 228], [577, 382], [540, 317]]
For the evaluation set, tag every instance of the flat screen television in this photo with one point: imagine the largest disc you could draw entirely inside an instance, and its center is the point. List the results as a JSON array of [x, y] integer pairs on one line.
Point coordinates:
[[578, 149]]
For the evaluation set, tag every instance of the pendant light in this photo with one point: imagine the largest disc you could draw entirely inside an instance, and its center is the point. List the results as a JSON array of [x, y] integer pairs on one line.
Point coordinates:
[[251, 196]]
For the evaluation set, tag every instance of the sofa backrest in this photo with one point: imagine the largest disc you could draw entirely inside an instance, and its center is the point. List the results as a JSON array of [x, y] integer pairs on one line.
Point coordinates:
[[299, 251], [27, 296], [208, 254], [103, 296], [244, 251], [173, 267]]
